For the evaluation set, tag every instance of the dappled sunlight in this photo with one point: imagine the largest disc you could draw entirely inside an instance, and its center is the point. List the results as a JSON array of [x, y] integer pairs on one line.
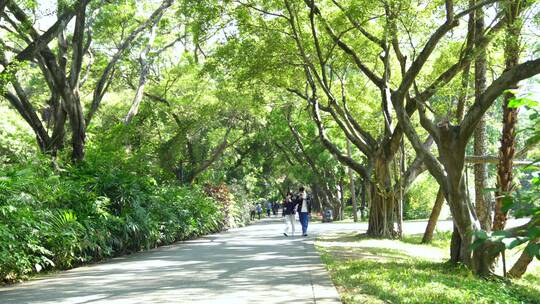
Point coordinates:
[[353, 244], [236, 266], [369, 270]]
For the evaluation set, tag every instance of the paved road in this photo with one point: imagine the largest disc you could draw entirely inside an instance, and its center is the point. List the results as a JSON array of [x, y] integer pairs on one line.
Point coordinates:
[[254, 264]]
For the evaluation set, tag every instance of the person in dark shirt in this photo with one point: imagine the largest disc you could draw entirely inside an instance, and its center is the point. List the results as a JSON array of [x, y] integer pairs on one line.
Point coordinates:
[[304, 209], [289, 209]]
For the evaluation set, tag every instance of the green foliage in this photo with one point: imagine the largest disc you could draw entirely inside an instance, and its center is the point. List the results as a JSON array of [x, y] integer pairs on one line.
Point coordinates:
[[101, 209], [420, 198]]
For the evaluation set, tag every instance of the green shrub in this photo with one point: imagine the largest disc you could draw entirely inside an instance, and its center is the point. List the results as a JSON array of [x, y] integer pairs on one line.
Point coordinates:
[[99, 209]]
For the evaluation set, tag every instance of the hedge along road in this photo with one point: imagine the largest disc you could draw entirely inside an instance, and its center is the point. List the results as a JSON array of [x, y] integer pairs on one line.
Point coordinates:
[[254, 264]]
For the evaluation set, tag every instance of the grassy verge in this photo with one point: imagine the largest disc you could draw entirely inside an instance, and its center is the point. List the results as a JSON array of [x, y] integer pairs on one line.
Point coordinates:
[[387, 271]]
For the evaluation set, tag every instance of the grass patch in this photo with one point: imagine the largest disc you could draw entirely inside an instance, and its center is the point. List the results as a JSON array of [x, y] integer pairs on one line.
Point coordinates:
[[441, 239], [390, 271]]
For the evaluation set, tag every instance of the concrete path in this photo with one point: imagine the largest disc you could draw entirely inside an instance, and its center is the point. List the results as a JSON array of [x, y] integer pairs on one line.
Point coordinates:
[[255, 264]]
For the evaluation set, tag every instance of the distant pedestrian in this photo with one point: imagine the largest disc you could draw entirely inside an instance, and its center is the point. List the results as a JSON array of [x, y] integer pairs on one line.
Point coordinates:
[[289, 209], [304, 209], [258, 208], [252, 212], [268, 208], [275, 207]]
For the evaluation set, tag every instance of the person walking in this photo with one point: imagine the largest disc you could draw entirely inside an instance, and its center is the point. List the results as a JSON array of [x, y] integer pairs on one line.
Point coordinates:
[[252, 212], [304, 210], [259, 210], [275, 207], [268, 208], [289, 210]]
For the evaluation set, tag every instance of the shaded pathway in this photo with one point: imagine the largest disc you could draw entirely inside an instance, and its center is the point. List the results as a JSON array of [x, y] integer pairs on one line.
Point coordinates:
[[254, 264]]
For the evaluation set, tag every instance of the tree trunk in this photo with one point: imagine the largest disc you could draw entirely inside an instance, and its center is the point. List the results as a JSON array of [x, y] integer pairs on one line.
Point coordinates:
[[363, 205], [452, 156], [351, 185], [482, 199], [322, 197], [78, 130], [508, 136], [382, 210], [434, 217], [520, 267], [317, 205], [463, 221], [455, 245]]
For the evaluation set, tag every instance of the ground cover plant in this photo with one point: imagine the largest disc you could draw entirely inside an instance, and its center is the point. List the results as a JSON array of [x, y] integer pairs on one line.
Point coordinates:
[[367, 270], [51, 220]]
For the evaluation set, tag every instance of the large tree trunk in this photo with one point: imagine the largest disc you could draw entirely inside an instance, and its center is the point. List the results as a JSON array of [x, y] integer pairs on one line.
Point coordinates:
[[452, 156], [508, 136], [455, 246], [326, 198], [463, 221], [434, 217], [382, 210], [482, 199]]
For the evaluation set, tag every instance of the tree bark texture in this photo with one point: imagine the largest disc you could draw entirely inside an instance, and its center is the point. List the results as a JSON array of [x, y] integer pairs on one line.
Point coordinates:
[[452, 156], [508, 136], [382, 217], [482, 198]]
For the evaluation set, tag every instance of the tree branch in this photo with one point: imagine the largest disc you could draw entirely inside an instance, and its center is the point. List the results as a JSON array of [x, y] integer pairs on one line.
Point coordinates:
[[505, 81], [104, 79], [332, 148]]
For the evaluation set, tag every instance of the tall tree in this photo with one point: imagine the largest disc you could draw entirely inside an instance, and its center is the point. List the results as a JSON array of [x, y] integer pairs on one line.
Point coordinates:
[[482, 199]]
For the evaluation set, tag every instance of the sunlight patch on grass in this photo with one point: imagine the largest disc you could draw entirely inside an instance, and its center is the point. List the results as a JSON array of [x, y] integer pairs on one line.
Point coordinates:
[[441, 239], [391, 271], [399, 248]]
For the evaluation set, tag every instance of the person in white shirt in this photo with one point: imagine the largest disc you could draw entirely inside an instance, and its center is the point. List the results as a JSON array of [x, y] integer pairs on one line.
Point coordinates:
[[304, 210]]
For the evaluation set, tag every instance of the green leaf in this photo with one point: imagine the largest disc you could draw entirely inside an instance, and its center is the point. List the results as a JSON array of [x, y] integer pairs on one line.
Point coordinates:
[[477, 243], [533, 249], [510, 91], [499, 235], [522, 101], [511, 243], [533, 233], [507, 203], [481, 234]]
